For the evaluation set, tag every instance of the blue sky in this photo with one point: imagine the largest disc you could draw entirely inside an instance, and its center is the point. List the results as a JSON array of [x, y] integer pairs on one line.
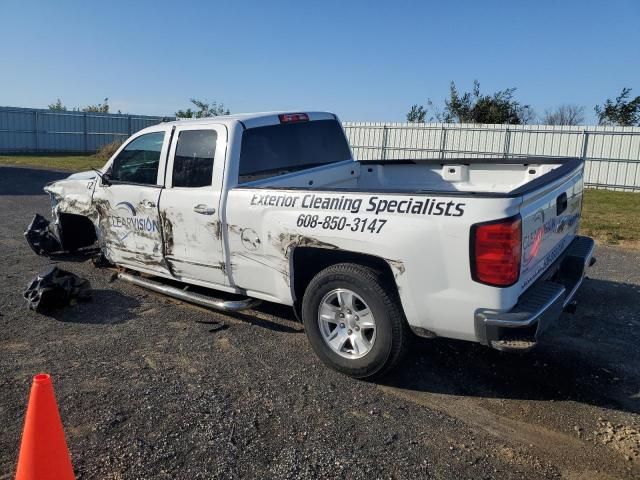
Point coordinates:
[[363, 60]]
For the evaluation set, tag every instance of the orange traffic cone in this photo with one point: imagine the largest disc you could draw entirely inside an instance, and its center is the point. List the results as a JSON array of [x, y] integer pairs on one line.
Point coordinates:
[[43, 452]]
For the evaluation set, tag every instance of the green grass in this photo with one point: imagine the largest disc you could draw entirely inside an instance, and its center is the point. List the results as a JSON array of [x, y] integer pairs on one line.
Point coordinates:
[[72, 163], [610, 217]]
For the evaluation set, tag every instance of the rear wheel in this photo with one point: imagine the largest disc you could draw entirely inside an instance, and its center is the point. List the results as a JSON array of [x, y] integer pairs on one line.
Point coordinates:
[[353, 320]]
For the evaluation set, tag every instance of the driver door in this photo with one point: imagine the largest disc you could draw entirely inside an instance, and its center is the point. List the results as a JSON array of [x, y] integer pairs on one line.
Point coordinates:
[[128, 217]]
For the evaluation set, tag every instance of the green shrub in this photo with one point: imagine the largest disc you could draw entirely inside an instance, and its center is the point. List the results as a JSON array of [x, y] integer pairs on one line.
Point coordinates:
[[106, 151]]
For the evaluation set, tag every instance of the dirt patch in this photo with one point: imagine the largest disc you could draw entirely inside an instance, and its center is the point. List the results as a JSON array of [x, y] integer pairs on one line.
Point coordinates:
[[622, 438], [223, 344]]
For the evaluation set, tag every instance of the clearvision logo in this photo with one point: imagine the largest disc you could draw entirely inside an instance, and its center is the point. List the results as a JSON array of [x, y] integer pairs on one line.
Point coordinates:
[[127, 219], [533, 241]]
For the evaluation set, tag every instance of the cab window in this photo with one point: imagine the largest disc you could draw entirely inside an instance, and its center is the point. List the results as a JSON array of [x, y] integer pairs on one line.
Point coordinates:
[[138, 161], [193, 161], [288, 147]]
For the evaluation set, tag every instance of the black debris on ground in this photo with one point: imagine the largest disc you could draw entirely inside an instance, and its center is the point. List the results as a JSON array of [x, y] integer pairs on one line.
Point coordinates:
[[55, 289]]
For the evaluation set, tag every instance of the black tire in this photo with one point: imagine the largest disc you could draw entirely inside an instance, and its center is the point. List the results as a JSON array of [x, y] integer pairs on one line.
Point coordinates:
[[392, 332]]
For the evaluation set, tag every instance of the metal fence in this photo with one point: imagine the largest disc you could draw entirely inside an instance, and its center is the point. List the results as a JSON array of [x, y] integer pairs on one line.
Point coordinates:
[[612, 154], [29, 130]]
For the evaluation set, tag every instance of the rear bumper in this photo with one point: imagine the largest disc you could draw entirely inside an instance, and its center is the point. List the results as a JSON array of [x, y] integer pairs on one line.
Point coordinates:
[[538, 307]]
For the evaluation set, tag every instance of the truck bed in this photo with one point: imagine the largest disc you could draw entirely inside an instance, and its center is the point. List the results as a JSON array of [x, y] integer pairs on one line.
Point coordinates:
[[479, 176], [292, 210]]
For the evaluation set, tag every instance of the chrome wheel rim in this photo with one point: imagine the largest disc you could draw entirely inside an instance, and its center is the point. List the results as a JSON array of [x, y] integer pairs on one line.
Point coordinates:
[[346, 323]]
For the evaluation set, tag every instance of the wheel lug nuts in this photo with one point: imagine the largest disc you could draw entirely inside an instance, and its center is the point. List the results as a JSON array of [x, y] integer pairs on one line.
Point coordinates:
[[349, 312], [356, 318], [342, 325], [357, 328], [341, 315], [350, 332]]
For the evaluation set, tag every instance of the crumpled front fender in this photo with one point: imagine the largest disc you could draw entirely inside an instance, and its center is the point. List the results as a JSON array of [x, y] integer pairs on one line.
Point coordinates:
[[41, 237], [72, 209]]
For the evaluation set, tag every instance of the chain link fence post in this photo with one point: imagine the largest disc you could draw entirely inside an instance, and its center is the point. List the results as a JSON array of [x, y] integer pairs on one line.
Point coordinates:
[[384, 142], [35, 130], [507, 142], [86, 135], [443, 141]]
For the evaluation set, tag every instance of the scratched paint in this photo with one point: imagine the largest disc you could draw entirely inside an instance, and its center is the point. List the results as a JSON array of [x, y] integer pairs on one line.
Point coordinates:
[[167, 233], [286, 241]]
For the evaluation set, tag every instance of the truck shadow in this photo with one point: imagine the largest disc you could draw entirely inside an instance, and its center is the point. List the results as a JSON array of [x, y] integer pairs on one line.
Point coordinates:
[[26, 181], [270, 316], [106, 307], [590, 357], [264, 315]]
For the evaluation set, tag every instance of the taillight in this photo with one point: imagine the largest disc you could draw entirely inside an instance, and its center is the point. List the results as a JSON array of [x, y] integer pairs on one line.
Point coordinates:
[[293, 117], [495, 251]]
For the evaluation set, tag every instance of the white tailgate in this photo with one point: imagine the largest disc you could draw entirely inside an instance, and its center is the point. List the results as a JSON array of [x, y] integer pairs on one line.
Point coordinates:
[[549, 223]]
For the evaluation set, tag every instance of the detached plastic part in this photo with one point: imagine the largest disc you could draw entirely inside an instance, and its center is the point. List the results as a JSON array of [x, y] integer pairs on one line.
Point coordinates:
[[41, 237], [55, 289]]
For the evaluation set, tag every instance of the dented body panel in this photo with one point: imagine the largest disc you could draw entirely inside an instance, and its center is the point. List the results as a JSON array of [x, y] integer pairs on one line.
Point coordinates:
[[240, 235], [428, 255], [190, 217]]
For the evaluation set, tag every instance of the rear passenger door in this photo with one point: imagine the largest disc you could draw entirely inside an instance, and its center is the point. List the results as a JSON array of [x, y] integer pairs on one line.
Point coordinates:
[[189, 205]]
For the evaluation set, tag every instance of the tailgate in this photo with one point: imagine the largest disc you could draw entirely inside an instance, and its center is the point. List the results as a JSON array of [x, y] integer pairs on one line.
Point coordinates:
[[550, 219]]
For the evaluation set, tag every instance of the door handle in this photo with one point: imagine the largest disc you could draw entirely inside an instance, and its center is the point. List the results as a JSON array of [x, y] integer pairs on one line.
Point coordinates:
[[204, 209], [147, 203]]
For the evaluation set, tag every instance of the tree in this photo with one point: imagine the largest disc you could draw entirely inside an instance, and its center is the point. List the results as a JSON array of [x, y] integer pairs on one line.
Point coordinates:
[[625, 113], [527, 115], [99, 108], [205, 109], [475, 107], [58, 106], [417, 114], [565, 114]]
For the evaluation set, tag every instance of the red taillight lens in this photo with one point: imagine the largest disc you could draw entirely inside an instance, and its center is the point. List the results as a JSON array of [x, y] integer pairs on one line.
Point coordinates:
[[495, 252], [293, 117]]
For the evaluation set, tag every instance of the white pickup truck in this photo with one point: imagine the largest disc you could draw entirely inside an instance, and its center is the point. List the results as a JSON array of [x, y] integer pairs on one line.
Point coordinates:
[[273, 207]]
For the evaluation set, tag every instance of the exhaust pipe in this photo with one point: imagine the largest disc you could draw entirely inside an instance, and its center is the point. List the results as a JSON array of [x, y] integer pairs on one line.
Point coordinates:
[[197, 298]]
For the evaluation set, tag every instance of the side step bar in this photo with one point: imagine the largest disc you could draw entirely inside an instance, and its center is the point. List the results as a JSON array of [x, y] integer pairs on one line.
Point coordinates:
[[197, 298]]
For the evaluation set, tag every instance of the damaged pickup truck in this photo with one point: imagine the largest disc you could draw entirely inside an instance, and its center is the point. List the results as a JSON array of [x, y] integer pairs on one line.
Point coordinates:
[[273, 207]]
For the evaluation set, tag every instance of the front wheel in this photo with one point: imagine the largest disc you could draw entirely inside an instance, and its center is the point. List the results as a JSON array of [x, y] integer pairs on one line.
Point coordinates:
[[353, 320]]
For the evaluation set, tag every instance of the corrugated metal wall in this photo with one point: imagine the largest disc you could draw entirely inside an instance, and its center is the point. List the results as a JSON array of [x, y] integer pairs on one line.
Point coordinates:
[[35, 130], [612, 154]]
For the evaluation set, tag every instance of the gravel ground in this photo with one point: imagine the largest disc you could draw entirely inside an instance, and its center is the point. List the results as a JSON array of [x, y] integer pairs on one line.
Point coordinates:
[[147, 390]]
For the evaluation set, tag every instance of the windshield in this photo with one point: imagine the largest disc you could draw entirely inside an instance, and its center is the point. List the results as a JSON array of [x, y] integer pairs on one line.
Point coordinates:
[[284, 148]]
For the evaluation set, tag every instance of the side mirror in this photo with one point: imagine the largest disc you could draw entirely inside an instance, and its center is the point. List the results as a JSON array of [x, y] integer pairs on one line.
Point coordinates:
[[106, 180]]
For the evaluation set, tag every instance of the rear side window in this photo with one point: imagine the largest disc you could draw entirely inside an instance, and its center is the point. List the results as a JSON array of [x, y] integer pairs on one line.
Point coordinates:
[[138, 161], [193, 162], [279, 149]]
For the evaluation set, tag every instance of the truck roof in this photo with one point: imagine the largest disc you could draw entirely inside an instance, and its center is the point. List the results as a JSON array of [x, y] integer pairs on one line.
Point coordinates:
[[252, 120]]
